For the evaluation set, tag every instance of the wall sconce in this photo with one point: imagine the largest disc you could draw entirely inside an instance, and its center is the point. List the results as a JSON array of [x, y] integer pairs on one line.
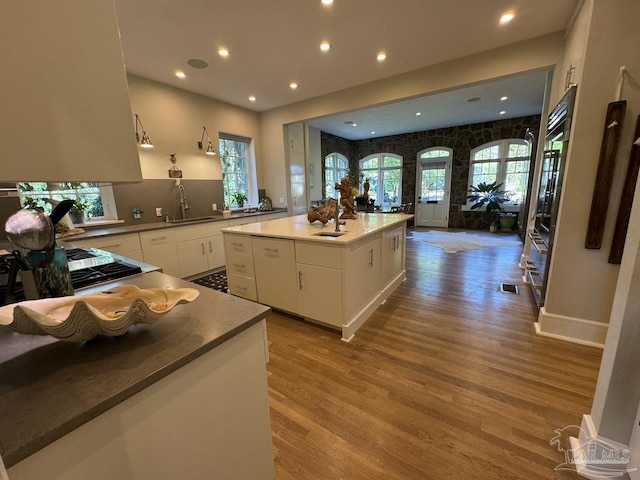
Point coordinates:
[[145, 142], [210, 150]]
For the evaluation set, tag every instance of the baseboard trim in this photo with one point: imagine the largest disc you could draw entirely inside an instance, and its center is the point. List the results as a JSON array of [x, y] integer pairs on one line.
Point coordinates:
[[571, 329]]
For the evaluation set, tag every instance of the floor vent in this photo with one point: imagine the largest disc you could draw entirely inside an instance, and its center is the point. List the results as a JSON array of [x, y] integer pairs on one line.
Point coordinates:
[[509, 288]]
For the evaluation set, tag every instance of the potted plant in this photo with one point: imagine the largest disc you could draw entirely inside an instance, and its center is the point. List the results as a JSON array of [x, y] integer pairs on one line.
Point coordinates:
[[489, 195], [239, 198], [77, 210]]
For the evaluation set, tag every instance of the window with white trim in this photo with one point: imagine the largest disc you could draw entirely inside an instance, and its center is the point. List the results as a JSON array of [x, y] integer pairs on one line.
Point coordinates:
[[236, 157], [97, 199], [384, 172], [434, 173], [336, 167], [503, 161]]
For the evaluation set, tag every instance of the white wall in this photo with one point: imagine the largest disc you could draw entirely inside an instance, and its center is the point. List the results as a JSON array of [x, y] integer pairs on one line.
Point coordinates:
[[174, 118], [582, 282], [539, 53]]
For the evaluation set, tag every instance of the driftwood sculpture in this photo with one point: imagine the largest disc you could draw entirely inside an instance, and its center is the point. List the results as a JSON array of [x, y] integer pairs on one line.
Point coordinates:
[[346, 199], [323, 213]]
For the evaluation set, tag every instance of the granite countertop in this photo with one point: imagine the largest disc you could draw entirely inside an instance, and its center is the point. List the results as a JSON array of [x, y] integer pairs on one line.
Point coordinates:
[[299, 228], [50, 387], [145, 227]]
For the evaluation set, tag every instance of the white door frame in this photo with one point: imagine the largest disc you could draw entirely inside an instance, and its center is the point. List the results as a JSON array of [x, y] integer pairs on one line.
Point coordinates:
[[447, 189]]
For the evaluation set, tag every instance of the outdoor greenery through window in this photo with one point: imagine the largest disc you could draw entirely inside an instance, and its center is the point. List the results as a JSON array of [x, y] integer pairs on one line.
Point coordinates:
[[504, 161], [384, 172], [234, 157], [336, 167], [433, 174], [94, 199]]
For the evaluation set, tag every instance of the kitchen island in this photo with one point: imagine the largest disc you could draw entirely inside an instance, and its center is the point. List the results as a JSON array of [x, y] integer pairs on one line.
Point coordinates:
[[336, 279], [183, 398]]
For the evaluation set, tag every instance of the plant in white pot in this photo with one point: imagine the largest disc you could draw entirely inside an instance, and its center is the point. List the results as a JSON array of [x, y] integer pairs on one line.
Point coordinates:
[[77, 212], [489, 195]]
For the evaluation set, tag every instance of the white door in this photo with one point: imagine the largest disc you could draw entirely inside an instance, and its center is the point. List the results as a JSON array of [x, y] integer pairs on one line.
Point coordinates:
[[433, 188]]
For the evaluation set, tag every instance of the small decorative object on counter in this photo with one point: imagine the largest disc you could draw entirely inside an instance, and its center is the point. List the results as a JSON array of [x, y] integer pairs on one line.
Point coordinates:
[[137, 213], [322, 213], [346, 198], [51, 272], [77, 211], [226, 212], [265, 204]]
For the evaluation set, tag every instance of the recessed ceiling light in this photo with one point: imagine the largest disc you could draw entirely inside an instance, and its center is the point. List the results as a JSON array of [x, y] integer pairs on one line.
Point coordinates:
[[180, 74], [474, 99], [373, 133], [325, 46], [252, 98], [327, 2], [381, 56], [506, 18], [354, 124], [502, 99], [293, 85], [502, 112], [223, 52], [418, 114]]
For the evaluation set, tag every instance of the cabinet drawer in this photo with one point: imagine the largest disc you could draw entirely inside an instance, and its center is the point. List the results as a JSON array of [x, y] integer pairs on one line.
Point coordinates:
[[320, 255], [237, 244], [113, 243], [190, 232], [240, 264], [242, 286]]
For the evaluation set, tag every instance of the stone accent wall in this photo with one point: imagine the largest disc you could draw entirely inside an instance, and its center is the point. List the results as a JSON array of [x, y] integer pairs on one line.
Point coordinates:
[[460, 139]]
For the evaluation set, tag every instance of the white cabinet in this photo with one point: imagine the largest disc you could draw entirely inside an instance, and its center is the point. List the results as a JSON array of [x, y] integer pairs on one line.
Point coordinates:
[[159, 249], [363, 274], [240, 272], [392, 254], [296, 137], [200, 248], [65, 100], [126, 245], [274, 261]]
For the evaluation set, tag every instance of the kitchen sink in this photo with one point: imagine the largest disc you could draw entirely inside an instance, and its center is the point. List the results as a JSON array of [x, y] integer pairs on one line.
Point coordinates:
[[329, 234], [194, 219]]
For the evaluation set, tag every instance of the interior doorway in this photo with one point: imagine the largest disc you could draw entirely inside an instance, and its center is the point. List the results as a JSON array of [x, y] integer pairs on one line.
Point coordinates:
[[433, 186]]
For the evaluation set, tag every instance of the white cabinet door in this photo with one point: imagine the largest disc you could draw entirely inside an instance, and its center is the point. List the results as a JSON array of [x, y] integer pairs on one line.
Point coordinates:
[[192, 255], [392, 254], [215, 251], [363, 274], [320, 294], [159, 248], [274, 262]]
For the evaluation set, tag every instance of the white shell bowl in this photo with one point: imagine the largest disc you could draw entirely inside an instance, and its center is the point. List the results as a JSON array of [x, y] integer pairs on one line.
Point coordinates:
[[77, 319]]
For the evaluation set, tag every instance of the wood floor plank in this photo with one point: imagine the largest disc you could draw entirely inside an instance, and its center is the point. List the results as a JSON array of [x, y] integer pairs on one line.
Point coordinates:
[[446, 380]]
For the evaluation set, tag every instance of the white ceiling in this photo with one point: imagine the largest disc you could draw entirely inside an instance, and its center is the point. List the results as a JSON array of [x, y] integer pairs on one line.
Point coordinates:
[[272, 43]]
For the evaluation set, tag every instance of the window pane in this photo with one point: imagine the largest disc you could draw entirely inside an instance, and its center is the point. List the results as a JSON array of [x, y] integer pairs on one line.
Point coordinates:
[[433, 183], [391, 187], [233, 160], [392, 162], [36, 194], [518, 150], [488, 153], [485, 172], [516, 180], [435, 154], [371, 163]]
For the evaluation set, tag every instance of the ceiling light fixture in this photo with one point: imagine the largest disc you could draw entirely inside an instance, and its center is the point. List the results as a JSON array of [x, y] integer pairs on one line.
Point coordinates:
[[373, 133], [325, 46], [381, 56], [354, 124], [252, 98], [197, 63], [502, 112], [210, 150], [223, 52], [506, 18], [418, 114], [502, 99], [180, 74], [293, 85], [327, 2], [145, 142]]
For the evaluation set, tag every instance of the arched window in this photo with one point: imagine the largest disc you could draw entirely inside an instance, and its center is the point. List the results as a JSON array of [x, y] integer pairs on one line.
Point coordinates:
[[503, 161], [384, 171], [433, 183], [336, 167]]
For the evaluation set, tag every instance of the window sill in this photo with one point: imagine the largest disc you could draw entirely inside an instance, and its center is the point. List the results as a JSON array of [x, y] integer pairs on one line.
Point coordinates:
[[98, 223]]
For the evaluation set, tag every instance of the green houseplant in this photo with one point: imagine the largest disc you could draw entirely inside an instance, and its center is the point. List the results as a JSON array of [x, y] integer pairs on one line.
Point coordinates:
[[77, 210], [490, 196], [239, 198]]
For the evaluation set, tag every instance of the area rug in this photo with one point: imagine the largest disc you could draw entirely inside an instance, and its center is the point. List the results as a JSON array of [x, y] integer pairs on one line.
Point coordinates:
[[216, 280], [452, 242]]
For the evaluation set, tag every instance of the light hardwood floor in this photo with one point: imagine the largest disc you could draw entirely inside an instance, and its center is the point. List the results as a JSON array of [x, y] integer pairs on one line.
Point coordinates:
[[447, 380]]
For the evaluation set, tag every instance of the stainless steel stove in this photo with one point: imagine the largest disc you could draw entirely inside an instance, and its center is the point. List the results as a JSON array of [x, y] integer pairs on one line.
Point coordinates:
[[88, 267]]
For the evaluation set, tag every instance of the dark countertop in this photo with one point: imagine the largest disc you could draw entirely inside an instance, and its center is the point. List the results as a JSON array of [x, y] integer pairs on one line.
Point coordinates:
[[145, 227], [49, 387]]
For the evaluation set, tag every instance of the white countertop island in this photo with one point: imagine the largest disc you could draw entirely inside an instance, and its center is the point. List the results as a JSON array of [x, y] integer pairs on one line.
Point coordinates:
[[337, 281]]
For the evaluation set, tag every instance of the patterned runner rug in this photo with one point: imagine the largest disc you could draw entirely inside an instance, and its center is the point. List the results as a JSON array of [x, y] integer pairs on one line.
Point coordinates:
[[216, 280]]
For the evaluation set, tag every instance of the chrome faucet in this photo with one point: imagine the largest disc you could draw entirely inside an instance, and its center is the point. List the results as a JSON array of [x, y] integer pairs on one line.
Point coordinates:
[[184, 206], [337, 217]]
